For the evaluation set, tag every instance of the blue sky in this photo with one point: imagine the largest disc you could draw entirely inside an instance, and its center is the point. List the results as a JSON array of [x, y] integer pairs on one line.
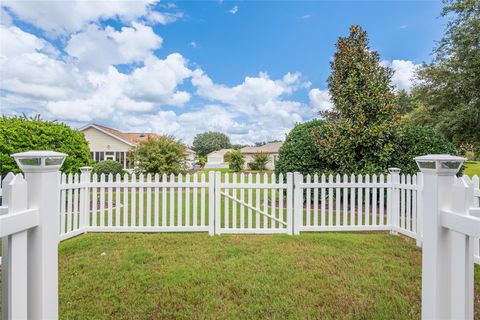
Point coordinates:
[[249, 69]]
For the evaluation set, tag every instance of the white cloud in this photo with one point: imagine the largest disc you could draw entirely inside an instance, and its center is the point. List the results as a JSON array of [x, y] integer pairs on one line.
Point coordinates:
[[404, 73], [62, 17], [234, 10], [306, 16], [193, 44], [158, 79], [163, 18], [97, 49], [82, 81], [259, 101], [320, 99]]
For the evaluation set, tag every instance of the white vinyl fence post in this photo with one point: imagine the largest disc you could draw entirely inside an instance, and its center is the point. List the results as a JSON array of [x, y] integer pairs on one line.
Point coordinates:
[[419, 205], [211, 203], [42, 173], [17, 266], [85, 197], [289, 203], [438, 267], [5, 247], [393, 215], [218, 207], [298, 202]]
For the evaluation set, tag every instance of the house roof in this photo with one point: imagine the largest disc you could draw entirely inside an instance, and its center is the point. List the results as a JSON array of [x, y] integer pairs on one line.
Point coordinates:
[[131, 138], [271, 147], [219, 153]]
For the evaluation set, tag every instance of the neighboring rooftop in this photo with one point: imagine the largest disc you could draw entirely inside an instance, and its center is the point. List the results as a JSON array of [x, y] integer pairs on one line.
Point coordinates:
[[219, 153], [133, 137], [271, 147]]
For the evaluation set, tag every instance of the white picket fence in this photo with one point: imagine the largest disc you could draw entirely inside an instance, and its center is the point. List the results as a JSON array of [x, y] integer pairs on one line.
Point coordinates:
[[241, 203]]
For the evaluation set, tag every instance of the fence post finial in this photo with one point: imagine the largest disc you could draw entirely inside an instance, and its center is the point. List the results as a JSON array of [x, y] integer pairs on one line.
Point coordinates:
[[42, 174]]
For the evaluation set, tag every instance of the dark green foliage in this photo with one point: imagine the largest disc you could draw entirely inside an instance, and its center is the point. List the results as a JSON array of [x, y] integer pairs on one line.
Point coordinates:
[[449, 90], [236, 160], [207, 142], [226, 156], [298, 152], [260, 161], [18, 134], [411, 142], [108, 166], [202, 161], [358, 135], [160, 155]]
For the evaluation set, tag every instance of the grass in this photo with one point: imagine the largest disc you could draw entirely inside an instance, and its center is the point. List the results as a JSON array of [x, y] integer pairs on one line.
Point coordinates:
[[472, 168], [194, 276]]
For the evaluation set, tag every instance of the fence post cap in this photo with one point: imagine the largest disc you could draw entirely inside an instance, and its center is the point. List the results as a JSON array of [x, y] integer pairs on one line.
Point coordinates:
[[39, 161], [394, 170], [439, 164], [85, 169]]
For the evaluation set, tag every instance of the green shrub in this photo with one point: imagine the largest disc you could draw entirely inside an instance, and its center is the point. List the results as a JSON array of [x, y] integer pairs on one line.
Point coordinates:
[[160, 155], [202, 161], [411, 142], [108, 166], [237, 161], [226, 156], [298, 152], [259, 162], [18, 134]]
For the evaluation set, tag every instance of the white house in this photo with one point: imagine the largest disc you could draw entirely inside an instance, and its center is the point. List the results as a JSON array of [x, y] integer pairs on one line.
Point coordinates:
[[216, 160], [271, 149], [110, 144]]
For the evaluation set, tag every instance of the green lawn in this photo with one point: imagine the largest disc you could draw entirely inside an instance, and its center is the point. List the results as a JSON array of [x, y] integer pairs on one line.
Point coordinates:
[[472, 168], [195, 276]]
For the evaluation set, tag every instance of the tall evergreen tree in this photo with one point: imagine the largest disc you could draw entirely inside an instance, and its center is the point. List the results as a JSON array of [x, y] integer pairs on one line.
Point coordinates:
[[360, 131]]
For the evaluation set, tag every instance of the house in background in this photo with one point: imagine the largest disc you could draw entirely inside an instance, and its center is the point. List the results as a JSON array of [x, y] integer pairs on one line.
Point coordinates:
[[216, 160], [109, 144], [271, 149]]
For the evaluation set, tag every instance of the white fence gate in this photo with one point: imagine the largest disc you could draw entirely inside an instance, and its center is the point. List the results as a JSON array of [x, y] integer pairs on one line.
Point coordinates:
[[253, 204]]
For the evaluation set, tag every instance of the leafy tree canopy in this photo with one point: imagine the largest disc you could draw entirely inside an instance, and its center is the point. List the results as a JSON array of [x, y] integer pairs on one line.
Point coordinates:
[[160, 155], [18, 134], [359, 131], [449, 87], [206, 142]]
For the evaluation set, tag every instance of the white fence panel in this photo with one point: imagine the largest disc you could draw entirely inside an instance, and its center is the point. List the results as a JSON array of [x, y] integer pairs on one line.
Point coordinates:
[[341, 203], [142, 203]]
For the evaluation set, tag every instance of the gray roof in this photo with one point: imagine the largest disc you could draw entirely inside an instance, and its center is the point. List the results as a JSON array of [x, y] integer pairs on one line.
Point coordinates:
[[271, 147]]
